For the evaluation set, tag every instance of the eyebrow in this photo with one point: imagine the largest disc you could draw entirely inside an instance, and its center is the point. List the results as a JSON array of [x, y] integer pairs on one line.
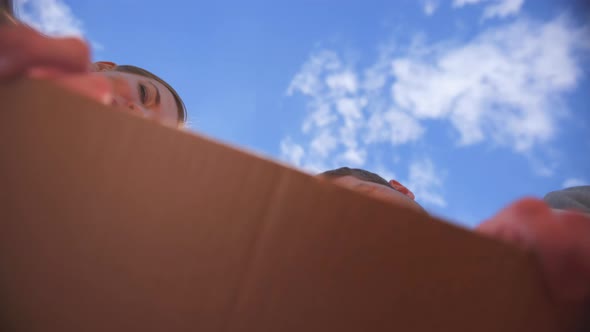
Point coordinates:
[[157, 93]]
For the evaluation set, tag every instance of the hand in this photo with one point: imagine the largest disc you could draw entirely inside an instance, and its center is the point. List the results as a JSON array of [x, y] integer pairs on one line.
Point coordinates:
[[22, 48], [560, 239], [25, 52]]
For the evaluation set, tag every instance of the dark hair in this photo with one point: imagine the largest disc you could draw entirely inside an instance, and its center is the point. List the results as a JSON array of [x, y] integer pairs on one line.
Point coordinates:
[[362, 175], [358, 173], [182, 117], [8, 6], [7, 15]]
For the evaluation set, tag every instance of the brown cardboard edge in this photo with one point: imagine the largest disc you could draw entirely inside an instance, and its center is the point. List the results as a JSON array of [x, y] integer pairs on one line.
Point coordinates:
[[35, 87]]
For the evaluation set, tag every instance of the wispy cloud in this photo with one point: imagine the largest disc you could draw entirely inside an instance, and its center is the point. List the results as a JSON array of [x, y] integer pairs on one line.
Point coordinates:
[[574, 182], [494, 8], [430, 6], [461, 3], [426, 182], [52, 17], [393, 126], [292, 152], [336, 116], [504, 87], [503, 8]]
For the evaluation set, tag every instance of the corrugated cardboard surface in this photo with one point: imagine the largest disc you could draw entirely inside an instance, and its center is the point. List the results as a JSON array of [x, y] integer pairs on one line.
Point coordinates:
[[110, 222]]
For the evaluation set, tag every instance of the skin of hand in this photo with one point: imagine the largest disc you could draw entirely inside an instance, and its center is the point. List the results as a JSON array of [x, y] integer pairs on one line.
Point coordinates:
[[559, 239], [25, 52]]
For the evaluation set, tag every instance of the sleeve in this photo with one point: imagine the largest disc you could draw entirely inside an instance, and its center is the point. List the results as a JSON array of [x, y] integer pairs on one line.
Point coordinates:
[[574, 198]]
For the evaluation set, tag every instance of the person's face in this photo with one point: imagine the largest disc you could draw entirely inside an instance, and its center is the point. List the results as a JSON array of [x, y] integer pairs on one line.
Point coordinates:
[[140, 94], [402, 197]]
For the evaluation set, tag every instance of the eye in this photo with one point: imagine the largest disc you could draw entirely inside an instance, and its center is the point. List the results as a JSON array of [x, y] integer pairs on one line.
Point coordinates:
[[143, 93]]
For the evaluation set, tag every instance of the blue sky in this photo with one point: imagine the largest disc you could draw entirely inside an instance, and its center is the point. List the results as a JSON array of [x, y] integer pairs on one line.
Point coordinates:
[[470, 103]]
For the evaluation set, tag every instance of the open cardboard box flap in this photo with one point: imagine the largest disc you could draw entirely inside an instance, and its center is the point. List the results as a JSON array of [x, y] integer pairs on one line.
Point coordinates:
[[110, 222]]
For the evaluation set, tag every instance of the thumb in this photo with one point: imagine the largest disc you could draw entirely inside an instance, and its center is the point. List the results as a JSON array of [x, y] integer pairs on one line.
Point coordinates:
[[96, 87]]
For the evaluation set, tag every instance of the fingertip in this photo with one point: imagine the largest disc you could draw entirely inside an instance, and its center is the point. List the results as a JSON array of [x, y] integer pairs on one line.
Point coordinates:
[[489, 230], [96, 87], [530, 206], [485, 227], [80, 48]]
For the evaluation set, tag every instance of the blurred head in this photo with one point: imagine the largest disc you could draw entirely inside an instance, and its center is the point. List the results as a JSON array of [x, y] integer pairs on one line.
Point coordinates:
[[374, 186], [141, 91]]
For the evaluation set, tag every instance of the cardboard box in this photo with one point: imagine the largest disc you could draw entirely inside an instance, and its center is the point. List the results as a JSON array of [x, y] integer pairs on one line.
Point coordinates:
[[110, 222]]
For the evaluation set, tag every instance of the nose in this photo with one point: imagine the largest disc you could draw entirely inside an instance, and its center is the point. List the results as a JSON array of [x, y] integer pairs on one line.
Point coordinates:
[[124, 102], [133, 107]]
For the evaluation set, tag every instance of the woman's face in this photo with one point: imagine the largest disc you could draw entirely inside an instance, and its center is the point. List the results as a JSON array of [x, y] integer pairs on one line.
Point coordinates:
[[65, 61], [143, 95]]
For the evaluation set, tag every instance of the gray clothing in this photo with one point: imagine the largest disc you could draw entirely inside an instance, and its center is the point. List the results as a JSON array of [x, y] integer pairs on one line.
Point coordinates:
[[574, 198]]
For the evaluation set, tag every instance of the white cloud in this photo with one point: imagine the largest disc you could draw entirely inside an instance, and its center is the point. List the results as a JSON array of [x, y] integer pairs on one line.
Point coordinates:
[[394, 126], [546, 165], [426, 183], [307, 81], [503, 8], [323, 144], [574, 182], [337, 112], [52, 17], [354, 157], [543, 170], [350, 108], [345, 81], [430, 6], [461, 3], [291, 152], [494, 8], [503, 88]]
